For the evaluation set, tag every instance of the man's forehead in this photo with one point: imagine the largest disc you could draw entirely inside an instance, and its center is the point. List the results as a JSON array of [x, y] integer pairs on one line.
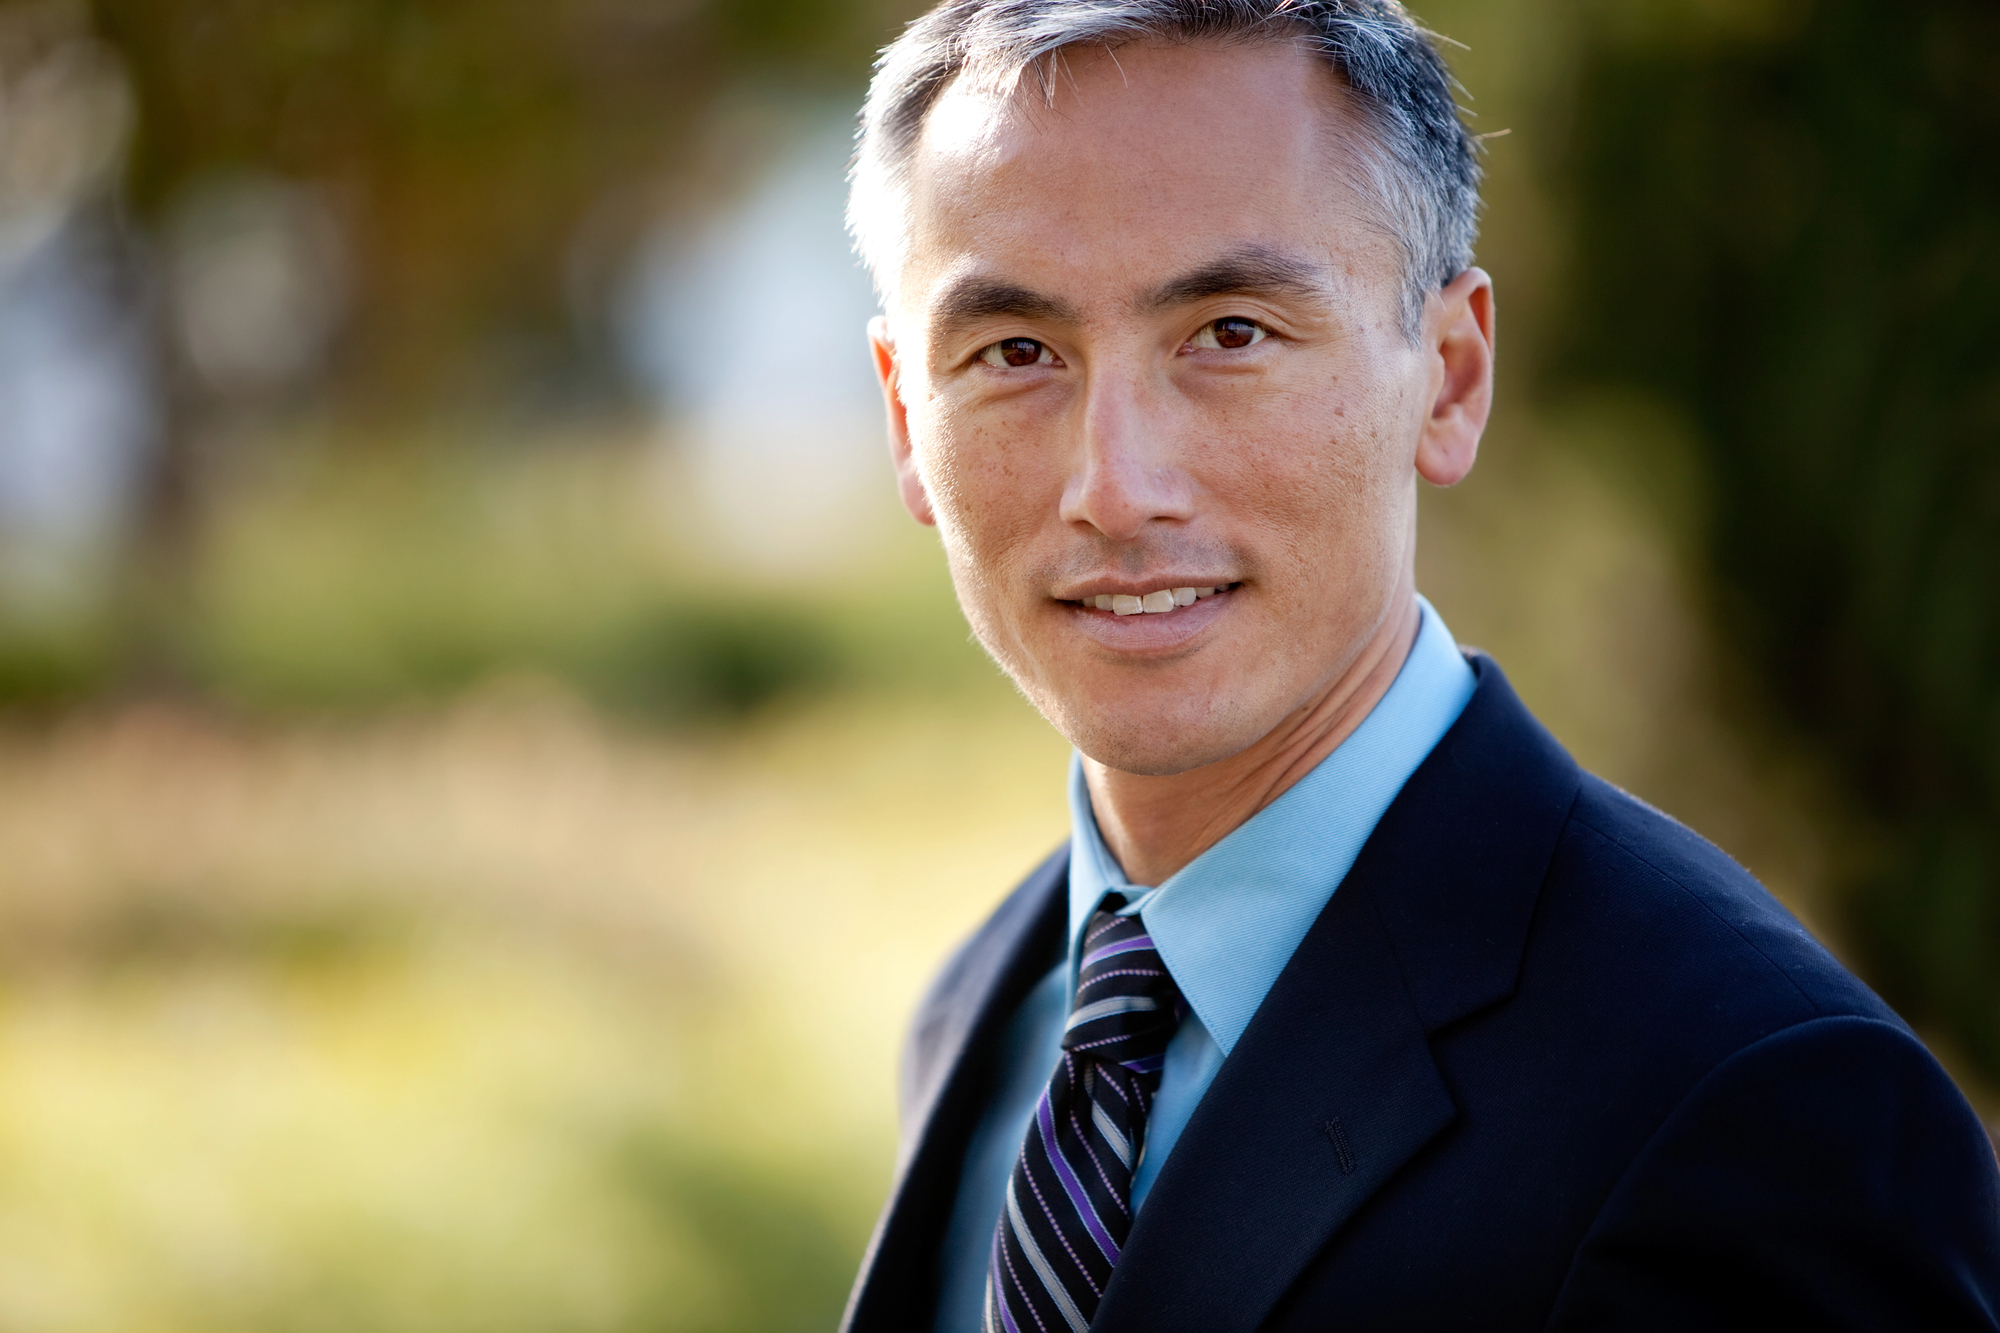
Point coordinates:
[[1092, 96], [1146, 166], [971, 123]]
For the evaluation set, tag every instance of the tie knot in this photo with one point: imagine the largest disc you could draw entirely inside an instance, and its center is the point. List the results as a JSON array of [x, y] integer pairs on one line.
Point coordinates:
[[1127, 1005]]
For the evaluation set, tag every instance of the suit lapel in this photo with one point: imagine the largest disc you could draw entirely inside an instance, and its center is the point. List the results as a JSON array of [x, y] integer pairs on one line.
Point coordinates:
[[1329, 1091], [947, 1074], [1332, 1087]]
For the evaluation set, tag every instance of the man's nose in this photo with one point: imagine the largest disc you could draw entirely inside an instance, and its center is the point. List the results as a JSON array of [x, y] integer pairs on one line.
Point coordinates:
[[1126, 467]]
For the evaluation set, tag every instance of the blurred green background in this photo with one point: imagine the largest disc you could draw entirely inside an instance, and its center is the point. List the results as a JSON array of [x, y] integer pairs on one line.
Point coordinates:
[[485, 766]]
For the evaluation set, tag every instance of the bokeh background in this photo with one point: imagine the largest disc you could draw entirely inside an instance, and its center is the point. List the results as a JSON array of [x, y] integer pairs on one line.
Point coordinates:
[[485, 766]]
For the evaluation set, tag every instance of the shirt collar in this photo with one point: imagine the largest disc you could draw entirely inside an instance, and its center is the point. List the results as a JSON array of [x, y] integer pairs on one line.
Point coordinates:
[[1227, 922]]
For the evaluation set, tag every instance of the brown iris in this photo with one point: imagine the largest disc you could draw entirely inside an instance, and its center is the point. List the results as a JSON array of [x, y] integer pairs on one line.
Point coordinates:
[[1234, 332]]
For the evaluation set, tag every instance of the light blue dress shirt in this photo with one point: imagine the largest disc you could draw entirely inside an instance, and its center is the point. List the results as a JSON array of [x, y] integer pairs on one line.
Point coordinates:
[[1225, 925]]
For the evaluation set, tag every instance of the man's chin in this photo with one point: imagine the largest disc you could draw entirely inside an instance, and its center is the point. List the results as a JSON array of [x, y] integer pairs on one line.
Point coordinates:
[[1157, 750]]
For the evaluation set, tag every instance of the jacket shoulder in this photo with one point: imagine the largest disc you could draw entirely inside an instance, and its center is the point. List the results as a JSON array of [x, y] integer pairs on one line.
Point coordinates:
[[1829, 1176], [1700, 903]]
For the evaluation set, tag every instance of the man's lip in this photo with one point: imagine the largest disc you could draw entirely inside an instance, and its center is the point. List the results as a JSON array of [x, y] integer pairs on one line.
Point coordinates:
[[1136, 588], [1148, 634]]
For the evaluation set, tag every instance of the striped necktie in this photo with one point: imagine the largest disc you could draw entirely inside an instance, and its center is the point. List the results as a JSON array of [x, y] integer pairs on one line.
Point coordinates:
[[1069, 1201]]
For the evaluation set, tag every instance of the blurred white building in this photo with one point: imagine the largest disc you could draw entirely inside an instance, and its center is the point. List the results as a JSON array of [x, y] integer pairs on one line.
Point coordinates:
[[749, 330], [75, 395]]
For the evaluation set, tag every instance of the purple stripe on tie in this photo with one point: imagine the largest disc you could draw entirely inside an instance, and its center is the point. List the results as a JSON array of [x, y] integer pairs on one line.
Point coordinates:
[[1148, 1065], [1071, 1185], [1112, 950]]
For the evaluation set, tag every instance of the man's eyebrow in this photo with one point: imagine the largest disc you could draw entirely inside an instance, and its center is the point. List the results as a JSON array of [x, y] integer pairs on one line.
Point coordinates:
[[1251, 271], [971, 300]]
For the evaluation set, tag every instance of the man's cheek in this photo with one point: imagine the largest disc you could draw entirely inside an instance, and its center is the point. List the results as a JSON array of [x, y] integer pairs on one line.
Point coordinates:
[[942, 461]]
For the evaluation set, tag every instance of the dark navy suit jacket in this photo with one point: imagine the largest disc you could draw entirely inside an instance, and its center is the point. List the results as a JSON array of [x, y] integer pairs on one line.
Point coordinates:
[[1546, 1060]]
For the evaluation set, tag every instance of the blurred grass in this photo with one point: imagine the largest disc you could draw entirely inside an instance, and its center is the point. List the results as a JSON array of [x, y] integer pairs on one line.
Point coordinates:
[[484, 1017]]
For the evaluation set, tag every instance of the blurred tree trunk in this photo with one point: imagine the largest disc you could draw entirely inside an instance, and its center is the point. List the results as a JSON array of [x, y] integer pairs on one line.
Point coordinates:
[[156, 579]]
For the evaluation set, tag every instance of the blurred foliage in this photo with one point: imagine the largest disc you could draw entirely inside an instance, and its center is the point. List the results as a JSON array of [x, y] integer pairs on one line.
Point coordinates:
[[338, 579], [776, 1260], [1789, 235], [44, 667], [467, 140], [721, 660], [357, 580]]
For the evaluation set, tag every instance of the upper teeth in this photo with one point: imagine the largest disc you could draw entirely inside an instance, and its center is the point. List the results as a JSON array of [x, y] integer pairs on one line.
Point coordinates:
[[1166, 599]]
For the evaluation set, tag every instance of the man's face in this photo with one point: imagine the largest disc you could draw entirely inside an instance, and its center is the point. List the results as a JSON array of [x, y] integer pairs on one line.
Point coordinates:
[[1149, 338]]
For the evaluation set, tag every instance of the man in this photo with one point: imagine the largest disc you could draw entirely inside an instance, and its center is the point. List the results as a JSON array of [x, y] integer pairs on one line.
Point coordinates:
[[1353, 1003]]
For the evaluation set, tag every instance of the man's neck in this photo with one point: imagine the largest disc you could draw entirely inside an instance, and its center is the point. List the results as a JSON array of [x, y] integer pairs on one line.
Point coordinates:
[[1156, 825]]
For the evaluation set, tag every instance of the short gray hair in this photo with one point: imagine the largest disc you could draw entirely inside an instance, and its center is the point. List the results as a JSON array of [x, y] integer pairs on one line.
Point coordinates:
[[1423, 163]]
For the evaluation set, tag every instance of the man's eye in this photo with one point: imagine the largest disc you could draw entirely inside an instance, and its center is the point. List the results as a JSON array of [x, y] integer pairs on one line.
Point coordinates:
[[1230, 333], [1017, 352]]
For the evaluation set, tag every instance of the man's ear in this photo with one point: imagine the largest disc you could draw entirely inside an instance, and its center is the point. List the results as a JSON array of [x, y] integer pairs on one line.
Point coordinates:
[[889, 371], [1459, 330]]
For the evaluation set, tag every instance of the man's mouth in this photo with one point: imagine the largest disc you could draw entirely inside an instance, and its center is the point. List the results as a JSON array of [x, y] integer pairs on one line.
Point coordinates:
[[1154, 603]]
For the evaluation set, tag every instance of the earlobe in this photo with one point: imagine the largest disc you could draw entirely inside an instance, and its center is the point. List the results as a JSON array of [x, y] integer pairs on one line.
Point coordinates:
[[888, 372], [1461, 335]]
